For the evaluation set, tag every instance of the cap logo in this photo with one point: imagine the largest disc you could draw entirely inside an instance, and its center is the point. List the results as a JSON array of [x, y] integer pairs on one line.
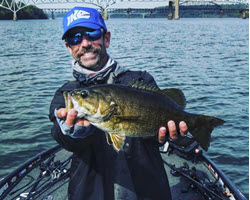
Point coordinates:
[[78, 14]]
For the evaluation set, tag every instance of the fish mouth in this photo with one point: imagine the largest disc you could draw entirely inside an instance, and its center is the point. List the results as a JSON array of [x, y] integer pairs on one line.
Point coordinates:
[[84, 113]]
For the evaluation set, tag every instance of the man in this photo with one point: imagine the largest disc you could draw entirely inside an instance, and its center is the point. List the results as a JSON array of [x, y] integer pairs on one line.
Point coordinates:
[[97, 170]]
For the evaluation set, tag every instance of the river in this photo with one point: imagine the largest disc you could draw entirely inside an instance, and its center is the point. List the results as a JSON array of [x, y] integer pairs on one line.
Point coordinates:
[[207, 58]]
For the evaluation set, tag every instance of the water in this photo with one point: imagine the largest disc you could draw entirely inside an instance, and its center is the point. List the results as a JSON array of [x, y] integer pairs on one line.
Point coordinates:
[[207, 58]]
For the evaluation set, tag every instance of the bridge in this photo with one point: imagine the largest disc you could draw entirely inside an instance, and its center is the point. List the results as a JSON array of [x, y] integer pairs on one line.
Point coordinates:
[[107, 5]]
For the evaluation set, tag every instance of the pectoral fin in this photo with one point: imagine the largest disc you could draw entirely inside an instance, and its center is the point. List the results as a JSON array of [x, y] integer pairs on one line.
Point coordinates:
[[109, 141], [116, 139]]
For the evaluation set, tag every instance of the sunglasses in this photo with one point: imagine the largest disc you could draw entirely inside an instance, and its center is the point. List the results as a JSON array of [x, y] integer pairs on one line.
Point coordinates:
[[89, 35]]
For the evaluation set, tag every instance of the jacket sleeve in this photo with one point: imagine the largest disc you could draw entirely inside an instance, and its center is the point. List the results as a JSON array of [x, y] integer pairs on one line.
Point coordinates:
[[69, 143]]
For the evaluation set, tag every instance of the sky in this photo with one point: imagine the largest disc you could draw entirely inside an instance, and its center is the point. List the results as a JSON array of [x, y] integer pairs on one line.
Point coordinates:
[[118, 4]]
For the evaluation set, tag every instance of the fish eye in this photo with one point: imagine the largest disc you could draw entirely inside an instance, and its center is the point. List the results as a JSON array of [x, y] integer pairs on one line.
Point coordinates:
[[84, 94]]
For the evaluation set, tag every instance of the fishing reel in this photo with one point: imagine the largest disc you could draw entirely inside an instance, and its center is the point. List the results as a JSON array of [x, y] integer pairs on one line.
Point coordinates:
[[183, 144]]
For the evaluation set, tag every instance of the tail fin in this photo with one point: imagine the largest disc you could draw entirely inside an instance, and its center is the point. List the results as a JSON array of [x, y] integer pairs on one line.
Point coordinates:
[[202, 129]]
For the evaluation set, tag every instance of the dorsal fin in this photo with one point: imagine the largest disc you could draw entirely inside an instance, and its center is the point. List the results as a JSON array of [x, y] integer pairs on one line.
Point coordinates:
[[144, 86], [174, 94]]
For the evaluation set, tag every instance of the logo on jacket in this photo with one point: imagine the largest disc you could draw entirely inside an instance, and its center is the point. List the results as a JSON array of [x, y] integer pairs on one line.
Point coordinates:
[[78, 14]]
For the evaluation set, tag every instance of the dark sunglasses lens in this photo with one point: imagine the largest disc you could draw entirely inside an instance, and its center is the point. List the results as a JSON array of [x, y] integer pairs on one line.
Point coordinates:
[[93, 35], [76, 39], [90, 36]]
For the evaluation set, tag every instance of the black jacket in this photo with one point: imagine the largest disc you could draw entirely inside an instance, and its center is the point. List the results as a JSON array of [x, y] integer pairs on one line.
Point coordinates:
[[94, 168]]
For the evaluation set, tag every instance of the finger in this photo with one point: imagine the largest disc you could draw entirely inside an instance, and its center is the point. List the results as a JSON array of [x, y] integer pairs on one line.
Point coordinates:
[[82, 122], [162, 134], [183, 128], [70, 120], [172, 129], [61, 113]]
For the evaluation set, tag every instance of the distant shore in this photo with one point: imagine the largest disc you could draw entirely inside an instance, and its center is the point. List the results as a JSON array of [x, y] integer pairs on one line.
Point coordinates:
[[29, 12]]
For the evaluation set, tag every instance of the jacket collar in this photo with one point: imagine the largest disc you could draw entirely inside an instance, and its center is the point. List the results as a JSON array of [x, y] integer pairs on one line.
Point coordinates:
[[106, 75]]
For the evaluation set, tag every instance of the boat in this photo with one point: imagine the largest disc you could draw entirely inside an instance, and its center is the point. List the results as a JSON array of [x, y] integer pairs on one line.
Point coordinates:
[[191, 174]]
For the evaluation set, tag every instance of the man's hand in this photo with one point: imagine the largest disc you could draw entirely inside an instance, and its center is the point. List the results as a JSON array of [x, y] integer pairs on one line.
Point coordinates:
[[71, 117], [172, 131]]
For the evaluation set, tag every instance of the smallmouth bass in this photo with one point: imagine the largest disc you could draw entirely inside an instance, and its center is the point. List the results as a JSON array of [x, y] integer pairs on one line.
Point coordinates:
[[137, 110]]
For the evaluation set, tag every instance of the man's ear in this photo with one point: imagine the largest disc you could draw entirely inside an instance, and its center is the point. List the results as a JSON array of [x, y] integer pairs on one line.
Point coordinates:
[[107, 39], [68, 47]]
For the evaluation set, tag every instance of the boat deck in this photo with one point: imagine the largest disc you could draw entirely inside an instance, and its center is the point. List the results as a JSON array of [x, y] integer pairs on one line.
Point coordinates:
[[31, 176]]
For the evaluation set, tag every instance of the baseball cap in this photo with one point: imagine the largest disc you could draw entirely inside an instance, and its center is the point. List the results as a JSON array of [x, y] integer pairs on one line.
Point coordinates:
[[84, 17]]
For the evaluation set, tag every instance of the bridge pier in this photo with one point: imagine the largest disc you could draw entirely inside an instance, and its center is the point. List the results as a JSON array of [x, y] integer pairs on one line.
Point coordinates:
[[221, 13], [176, 10], [14, 16], [105, 14], [170, 10], [52, 15], [128, 12], [151, 13], [245, 14]]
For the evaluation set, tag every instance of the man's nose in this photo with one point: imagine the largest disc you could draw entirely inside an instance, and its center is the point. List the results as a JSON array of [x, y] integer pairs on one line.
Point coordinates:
[[85, 42]]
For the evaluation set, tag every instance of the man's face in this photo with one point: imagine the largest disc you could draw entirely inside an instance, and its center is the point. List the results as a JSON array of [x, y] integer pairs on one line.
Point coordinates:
[[90, 54]]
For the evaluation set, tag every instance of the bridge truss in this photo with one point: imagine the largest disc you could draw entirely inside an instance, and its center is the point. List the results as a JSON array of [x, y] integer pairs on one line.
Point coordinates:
[[16, 5]]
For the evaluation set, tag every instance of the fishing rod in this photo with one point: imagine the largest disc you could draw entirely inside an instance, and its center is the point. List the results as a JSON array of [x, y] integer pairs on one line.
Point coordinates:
[[45, 168], [203, 189], [41, 191], [55, 170]]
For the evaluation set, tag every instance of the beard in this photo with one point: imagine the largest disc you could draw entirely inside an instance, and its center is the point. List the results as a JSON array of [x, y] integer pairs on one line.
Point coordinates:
[[95, 63]]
